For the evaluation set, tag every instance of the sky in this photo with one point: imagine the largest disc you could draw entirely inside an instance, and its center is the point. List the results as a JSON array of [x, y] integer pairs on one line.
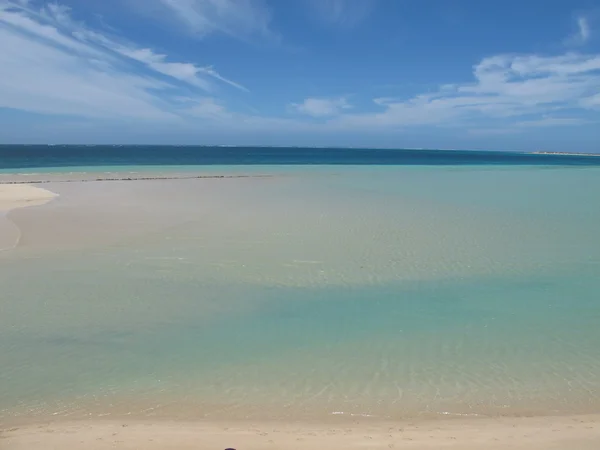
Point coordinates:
[[469, 74]]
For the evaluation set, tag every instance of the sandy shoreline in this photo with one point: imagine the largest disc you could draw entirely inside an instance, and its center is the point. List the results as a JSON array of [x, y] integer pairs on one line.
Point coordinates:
[[534, 433], [13, 196], [21, 195]]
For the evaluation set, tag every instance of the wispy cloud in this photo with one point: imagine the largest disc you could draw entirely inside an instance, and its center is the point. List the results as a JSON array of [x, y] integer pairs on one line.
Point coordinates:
[[87, 73], [184, 71], [206, 108], [522, 127], [210, 71], [498, 131], [506, 87], [321, 107], [237, 18], [53, 64], [554, 122], [583, 33], [187, 72], [346, 13]]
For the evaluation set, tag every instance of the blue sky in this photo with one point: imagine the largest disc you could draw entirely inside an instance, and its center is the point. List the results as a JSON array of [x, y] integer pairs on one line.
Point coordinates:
[[473, 74]]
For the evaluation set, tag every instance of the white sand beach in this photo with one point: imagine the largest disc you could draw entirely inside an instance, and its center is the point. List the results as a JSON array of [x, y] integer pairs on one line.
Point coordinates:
[[545, 433], [13, 196], [21, 195]]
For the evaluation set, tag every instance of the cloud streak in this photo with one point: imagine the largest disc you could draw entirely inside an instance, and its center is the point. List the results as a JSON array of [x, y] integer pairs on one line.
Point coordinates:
[[86, 73], [321, 107], [583, 34], [240, 19], [183, 71]]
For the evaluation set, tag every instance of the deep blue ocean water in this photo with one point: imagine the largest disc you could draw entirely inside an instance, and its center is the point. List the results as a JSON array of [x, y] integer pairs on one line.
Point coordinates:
[[44, 156]]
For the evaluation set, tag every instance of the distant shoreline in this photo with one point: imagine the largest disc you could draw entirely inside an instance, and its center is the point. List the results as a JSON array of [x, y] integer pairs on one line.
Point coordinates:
[[565, 154], [308, 147]]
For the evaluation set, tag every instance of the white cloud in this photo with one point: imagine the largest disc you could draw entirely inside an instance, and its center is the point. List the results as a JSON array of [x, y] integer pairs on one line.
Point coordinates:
[[184, 71], [181, 71], [583, 33], [321, 107], [236, 18], [207, 108], [40, 78], [521, 127], [342, 12], [505, 87], [53, 65], [584, 29], [553, 122], [17, 16], [592, 102], [210, 71]]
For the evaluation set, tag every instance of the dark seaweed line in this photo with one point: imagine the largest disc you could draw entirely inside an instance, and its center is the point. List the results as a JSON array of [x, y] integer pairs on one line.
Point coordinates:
[[134, 179]]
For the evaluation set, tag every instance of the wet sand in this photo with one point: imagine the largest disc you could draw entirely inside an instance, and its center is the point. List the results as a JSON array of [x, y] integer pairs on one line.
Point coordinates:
[[549, 433]]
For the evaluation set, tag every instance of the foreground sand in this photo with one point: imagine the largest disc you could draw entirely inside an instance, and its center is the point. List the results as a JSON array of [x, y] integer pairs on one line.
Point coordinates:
[[539, 433]]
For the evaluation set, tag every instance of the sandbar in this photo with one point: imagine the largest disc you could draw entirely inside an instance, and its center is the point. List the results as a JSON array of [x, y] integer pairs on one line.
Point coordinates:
[[13, 196], [21, 195]]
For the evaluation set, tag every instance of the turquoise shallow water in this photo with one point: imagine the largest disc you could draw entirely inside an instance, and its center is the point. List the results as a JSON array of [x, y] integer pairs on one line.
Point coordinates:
[[380, 291]]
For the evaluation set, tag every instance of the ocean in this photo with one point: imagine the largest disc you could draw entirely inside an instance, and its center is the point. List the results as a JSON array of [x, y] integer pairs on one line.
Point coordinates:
[[328, 283], [44, 157]]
